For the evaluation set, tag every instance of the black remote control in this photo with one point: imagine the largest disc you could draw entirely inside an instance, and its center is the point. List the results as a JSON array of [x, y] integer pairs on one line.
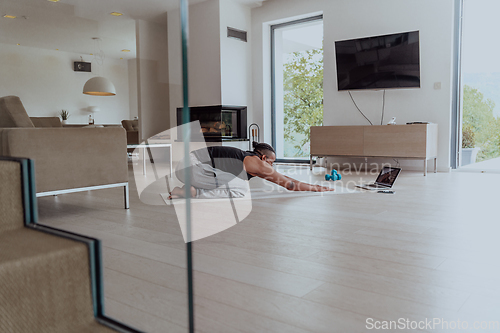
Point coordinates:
[[386, 191]]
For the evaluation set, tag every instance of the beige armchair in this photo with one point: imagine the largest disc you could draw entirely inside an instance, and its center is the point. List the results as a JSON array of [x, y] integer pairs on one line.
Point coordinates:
[[66, 159]]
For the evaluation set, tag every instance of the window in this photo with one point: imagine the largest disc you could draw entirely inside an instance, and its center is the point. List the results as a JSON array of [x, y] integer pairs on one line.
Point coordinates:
[[297, 85], [480, 77]]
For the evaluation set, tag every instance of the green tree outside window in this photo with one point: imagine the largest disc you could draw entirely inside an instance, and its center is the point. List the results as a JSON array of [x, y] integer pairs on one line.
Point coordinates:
[[303, 99], [478, 118]]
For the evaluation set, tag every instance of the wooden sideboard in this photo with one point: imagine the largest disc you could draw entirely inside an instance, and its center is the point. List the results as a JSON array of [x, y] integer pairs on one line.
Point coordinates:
[[416, 141]]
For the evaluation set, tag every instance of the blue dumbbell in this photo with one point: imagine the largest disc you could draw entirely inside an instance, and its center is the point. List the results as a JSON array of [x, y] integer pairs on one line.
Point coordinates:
[[334, 176]]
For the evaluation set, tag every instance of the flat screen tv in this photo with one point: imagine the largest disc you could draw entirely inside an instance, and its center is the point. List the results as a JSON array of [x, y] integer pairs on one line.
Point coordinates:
[[379, 62]]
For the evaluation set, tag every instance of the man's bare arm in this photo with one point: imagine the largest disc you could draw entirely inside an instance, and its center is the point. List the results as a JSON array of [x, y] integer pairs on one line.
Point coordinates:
[[296, 185], [256, 167]]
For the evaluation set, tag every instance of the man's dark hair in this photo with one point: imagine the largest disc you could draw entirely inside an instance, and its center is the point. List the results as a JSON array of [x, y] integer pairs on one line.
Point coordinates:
[[263, 149]]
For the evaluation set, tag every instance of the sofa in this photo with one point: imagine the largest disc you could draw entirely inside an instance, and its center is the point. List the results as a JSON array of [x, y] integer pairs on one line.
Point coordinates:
[[66, 159]]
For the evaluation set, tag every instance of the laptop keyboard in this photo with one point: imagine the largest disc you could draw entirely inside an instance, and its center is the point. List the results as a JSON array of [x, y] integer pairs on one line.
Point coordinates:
[[377, 186]]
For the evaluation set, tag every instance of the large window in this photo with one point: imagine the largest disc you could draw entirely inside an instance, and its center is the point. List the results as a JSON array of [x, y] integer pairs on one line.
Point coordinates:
[[297, 85], [480, 85]]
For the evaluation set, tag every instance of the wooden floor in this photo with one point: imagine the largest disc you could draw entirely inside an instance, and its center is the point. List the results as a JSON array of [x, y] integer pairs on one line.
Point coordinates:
[[307, 264], [492, 165]]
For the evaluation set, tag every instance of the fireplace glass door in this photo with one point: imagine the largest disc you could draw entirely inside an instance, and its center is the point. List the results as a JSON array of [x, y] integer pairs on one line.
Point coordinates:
[[219, 122]]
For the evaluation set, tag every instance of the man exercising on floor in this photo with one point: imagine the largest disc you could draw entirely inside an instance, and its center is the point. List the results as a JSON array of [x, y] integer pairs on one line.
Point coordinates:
[[221, 172]]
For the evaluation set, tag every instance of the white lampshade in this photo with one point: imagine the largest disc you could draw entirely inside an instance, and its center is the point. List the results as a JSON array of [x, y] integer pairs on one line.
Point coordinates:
[[99, 86], [94, 109]]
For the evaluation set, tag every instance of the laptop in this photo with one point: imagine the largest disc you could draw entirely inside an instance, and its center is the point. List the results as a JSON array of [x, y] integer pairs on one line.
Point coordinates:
[[385, 179]]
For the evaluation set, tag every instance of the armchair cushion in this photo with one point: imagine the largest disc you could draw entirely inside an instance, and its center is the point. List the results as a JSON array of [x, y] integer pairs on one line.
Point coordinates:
[[46, 121], [12, 113]]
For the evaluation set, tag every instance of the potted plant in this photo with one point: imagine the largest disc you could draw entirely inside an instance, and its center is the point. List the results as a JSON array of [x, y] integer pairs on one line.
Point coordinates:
[[64, 116], [469, 149]]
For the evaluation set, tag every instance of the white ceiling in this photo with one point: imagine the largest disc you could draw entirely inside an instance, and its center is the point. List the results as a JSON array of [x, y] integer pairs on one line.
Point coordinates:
[[70, 25]]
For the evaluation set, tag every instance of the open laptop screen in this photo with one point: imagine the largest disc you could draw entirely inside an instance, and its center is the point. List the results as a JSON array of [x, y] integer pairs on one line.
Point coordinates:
[[387, 176]]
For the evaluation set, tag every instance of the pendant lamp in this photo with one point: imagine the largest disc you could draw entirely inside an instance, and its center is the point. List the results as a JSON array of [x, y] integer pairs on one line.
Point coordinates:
[[99, 85]]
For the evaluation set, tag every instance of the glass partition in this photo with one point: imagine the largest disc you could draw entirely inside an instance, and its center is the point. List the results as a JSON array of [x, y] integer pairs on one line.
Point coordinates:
[[49, 52]]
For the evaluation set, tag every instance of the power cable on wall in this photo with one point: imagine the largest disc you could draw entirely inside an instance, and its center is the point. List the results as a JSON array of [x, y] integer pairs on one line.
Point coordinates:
[[359, 109], [383, 108]]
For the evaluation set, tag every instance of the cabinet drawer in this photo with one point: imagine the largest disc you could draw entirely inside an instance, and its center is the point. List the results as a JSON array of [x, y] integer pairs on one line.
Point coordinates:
[[337, 140], [396, 141]]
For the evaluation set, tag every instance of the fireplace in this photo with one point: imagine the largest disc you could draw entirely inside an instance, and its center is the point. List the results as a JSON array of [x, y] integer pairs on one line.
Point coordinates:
[[219, 122]]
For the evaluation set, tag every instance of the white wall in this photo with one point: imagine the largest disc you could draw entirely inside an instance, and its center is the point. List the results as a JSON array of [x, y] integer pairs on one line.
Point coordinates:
[[152, 78], [204, 54], [46, 83], [204, 61], [358, 18], [174, 63], [220, 68], [132, 79], [235, 55]]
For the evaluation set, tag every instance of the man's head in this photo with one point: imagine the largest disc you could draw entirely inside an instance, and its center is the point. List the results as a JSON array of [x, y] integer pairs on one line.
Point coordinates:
[[266, 152]]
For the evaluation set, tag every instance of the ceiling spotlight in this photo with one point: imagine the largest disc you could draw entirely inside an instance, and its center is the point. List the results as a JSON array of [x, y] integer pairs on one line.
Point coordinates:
[[10, 16], [53, 0], [125, 50], [116, 14], [18, 44]]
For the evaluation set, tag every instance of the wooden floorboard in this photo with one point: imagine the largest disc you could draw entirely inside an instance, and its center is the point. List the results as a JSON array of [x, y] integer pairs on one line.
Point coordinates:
[[303, 264]]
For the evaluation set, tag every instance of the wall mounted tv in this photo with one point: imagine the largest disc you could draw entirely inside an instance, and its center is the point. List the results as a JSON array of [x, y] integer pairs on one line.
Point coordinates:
[[379, 62]]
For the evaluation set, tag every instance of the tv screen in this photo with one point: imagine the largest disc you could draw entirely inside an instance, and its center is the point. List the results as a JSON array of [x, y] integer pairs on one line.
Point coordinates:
[[379, 62]]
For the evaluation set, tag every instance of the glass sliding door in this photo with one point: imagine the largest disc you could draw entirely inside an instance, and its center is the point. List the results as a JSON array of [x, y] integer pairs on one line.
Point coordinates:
[[297, 89], [480, 71]]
